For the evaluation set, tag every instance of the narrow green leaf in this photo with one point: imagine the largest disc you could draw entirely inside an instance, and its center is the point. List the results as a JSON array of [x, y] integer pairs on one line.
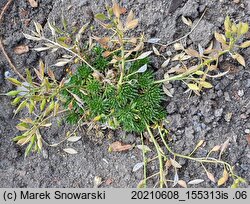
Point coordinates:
[[14, 81], [20, 107], [206, 84], [193, 87], [12, 93], [100, 16], [29, 147]]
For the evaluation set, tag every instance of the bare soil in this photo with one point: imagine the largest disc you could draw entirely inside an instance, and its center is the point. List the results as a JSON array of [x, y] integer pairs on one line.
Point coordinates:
[[191, 118]]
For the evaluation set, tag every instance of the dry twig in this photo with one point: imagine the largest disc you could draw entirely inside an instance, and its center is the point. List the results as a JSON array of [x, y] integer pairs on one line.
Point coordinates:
[[1, 44], [9, 61], [4, 9]]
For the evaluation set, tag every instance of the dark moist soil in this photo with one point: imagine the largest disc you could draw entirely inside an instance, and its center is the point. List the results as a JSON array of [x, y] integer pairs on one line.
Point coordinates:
[[190, 119]]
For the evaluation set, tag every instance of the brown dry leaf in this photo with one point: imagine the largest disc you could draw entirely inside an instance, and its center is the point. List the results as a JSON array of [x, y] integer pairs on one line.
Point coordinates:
[[41, 68], [106, 54], [168, 164], [195, 181], [245, 44], [165, 63], [70, 106], [192, 52], [178, 46], [210, 176], [97, 76], [175, 163], [220, 38], [138, 47], [27, 120], [223, 179], [174, 69], [33, 3], [120, 25], [156, 51], [132, 24], [144, 55], [182, 56], [38, 74], [51, 74], [224, 146], [210, 47], [216, 148], [130, 17], [116, 10], [39, 140], [21, 128], [240, 59], [123, 10], [119, 147], [104, 40], [182, 183], [166, 91], [21, 49], [24, 141], [70, 151]]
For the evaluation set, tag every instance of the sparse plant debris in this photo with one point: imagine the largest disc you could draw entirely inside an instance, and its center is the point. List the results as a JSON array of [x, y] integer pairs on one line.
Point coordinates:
[[115, 88]]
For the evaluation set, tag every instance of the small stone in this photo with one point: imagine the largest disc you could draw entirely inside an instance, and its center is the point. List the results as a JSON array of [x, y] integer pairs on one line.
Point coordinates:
[[219, 93], [218, 112], [247, 131], [241, 93], [189, 132], [22, 173], [203, 126], [248, 81], [228, 117], [7, 74], [169, 53], [237, 1], [243, 116], [172, 91], [227, 97], [45, 154], [168, 86], [171, 108], [214, 124]]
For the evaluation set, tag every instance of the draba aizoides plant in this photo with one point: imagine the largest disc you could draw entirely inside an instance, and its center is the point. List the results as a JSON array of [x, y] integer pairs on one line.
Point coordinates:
[[114, 87]]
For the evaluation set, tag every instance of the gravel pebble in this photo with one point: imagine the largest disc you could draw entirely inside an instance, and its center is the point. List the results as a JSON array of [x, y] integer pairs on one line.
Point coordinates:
[[228, 117], [247, 131], [241, 93], [218, 112], [227, 97]]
